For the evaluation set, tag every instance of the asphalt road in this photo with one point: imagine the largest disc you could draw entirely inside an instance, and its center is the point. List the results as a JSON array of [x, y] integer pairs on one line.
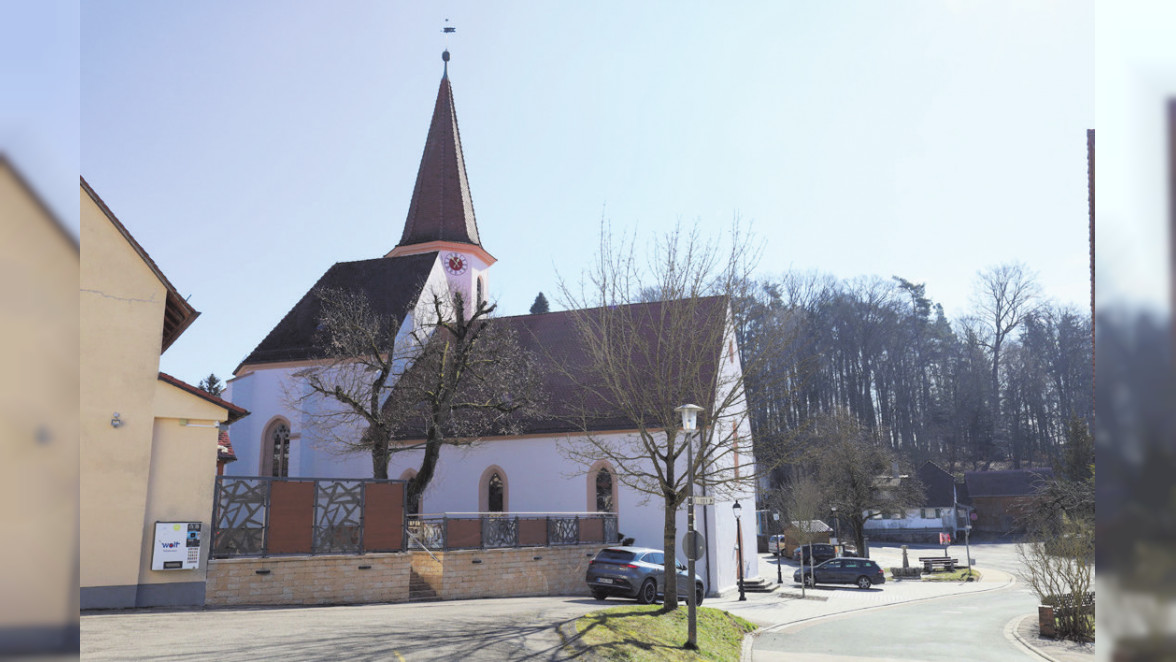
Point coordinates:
[[960, 627], [468, 630], [968, 627]]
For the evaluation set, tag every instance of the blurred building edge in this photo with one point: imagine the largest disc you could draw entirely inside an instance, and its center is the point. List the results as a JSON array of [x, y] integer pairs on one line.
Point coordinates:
[[149, 441], [39, 265]]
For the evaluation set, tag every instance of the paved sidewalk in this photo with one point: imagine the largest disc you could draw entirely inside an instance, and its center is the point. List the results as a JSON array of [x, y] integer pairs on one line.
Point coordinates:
[[785, 606]]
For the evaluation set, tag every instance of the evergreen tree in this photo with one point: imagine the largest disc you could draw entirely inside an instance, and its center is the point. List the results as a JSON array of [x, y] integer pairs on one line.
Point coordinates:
[[540, 305], [211, 385]]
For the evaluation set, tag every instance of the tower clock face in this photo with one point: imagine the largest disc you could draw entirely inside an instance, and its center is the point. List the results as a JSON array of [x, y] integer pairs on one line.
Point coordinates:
[[456, 264]]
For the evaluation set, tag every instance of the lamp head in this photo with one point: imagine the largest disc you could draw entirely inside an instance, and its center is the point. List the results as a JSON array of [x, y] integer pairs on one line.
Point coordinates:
[[689, 415], [737, 509]]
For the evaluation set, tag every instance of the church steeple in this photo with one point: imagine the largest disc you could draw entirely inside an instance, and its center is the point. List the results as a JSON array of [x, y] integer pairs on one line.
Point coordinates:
[[441, 213]]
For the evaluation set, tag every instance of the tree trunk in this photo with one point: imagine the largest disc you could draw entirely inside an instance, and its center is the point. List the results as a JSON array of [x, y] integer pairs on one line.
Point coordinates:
[[420, 481], [670, 600]]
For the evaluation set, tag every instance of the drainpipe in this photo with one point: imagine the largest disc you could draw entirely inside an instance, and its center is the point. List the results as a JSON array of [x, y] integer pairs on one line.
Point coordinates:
[[709, 538]]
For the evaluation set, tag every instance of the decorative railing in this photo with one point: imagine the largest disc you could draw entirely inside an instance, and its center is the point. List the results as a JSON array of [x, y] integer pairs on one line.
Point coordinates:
[[271, 516], [451, 531], [258, 516]]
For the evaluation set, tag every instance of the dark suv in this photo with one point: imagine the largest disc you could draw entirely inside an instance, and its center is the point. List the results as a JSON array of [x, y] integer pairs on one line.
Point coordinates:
[[842, 570], [819, 551], [635, 572]]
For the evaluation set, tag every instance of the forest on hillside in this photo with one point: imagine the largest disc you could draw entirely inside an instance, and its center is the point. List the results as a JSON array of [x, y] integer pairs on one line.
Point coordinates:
[[992, 389]]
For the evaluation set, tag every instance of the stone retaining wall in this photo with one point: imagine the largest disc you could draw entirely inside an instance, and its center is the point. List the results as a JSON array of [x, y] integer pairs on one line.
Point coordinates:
[[354, 579], [499, 573], [308, 580]]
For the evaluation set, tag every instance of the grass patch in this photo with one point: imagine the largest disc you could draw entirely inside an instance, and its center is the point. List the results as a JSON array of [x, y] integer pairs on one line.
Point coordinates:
[[957, 575], [642, 633]]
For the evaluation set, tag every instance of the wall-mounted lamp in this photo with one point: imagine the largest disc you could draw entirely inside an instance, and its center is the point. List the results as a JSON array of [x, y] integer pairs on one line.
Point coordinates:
[[115, 421]]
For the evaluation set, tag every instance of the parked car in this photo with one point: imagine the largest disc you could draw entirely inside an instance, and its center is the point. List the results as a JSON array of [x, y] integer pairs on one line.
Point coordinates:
[[776, 545], [842, 570], [819, 551], [635, 572]]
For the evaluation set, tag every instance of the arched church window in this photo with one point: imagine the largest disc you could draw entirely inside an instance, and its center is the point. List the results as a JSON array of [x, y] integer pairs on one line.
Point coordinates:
[[604, 490], [279, 450], [495, 493], [481, 291]]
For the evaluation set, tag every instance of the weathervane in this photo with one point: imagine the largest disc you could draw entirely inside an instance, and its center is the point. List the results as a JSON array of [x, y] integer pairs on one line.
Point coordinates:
[[447, 30]]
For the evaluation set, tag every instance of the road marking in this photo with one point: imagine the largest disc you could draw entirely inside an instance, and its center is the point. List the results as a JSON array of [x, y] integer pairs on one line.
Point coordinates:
[[398, 656]]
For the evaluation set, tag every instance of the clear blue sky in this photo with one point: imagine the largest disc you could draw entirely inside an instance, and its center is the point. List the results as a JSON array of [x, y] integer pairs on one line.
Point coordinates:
[[250, 145]]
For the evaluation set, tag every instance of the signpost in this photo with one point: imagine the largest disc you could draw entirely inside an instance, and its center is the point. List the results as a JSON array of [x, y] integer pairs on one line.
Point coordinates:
[[694, 545]]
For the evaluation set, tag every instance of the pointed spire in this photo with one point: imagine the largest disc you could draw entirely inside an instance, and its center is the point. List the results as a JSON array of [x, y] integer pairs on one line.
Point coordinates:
[[441, 207]]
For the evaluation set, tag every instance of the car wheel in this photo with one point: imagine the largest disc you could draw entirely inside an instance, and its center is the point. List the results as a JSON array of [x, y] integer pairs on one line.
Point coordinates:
[[698, 594], [808, 581], [599, 594], [647, 594], [864, 582]]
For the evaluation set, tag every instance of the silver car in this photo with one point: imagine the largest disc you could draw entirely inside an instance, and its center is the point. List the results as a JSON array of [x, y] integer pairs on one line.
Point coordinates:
[[635, 572]]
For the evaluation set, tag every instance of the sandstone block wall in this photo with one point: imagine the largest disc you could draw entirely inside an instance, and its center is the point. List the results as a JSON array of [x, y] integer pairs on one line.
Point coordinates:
[[308, 580], [507, 572], [344, 579]]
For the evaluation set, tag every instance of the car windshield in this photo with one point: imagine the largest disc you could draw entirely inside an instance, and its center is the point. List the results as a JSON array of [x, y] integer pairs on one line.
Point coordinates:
[[614, 555]]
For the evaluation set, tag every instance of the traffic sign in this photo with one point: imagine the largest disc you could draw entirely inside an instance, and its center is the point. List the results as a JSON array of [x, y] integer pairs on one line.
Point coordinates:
[[703, 500], [694, 545]]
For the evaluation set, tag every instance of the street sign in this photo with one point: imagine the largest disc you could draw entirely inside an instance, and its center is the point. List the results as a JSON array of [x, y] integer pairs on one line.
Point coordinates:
[[703, 500], [694, 545]]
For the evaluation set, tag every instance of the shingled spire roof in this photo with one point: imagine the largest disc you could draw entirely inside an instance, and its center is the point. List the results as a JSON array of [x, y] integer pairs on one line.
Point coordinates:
[[441, 209]]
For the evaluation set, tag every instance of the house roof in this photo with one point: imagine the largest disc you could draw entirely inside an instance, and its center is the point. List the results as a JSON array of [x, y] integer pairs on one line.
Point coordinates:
[[235, 413], [555, 340], [178, 314], [1012, 482], [812, 526], [392, 286], [441, 208], [224, 448], [938, 485]]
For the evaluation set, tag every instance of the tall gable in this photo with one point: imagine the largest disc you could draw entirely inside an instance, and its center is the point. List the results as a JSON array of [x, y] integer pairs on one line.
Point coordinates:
[[178, 314], [441, 208], [938, 485], [392, 286]]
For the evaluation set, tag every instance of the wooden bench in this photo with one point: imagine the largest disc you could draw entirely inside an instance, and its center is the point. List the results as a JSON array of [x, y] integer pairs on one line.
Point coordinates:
[[931, 562]]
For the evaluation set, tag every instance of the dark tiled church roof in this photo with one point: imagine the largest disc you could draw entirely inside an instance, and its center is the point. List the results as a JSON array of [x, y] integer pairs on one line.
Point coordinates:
[[391, 284], [441, 207], [554, 339]]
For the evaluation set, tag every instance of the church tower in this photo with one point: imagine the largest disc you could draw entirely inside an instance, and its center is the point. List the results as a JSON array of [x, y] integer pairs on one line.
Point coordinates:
[[441, 213]]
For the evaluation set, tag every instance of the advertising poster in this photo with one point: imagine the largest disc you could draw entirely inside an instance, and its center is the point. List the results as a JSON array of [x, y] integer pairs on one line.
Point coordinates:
[[176, 546]]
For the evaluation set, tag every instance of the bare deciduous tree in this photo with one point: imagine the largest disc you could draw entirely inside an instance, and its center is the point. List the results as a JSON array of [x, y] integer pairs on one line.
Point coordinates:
[[642, 361], [1004, 295], [449, 379], [857, 474], [804, 502], [1058, 564]]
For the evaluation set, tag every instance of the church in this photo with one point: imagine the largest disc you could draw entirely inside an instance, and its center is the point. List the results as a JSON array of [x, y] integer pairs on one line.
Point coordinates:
[[528, 471]]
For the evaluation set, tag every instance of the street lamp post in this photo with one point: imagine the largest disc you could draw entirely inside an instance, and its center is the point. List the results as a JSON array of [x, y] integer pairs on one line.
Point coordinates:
[[837, 528], [779, 557], [739, 541], [690, 424]]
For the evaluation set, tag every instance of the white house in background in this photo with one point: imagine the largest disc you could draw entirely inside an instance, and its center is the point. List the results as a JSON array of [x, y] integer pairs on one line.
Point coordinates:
[[943, 510], [440, 250]]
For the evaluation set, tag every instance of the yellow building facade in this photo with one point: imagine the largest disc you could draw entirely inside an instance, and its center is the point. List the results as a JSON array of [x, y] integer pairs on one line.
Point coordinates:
[[38, 423], [148, 441]]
